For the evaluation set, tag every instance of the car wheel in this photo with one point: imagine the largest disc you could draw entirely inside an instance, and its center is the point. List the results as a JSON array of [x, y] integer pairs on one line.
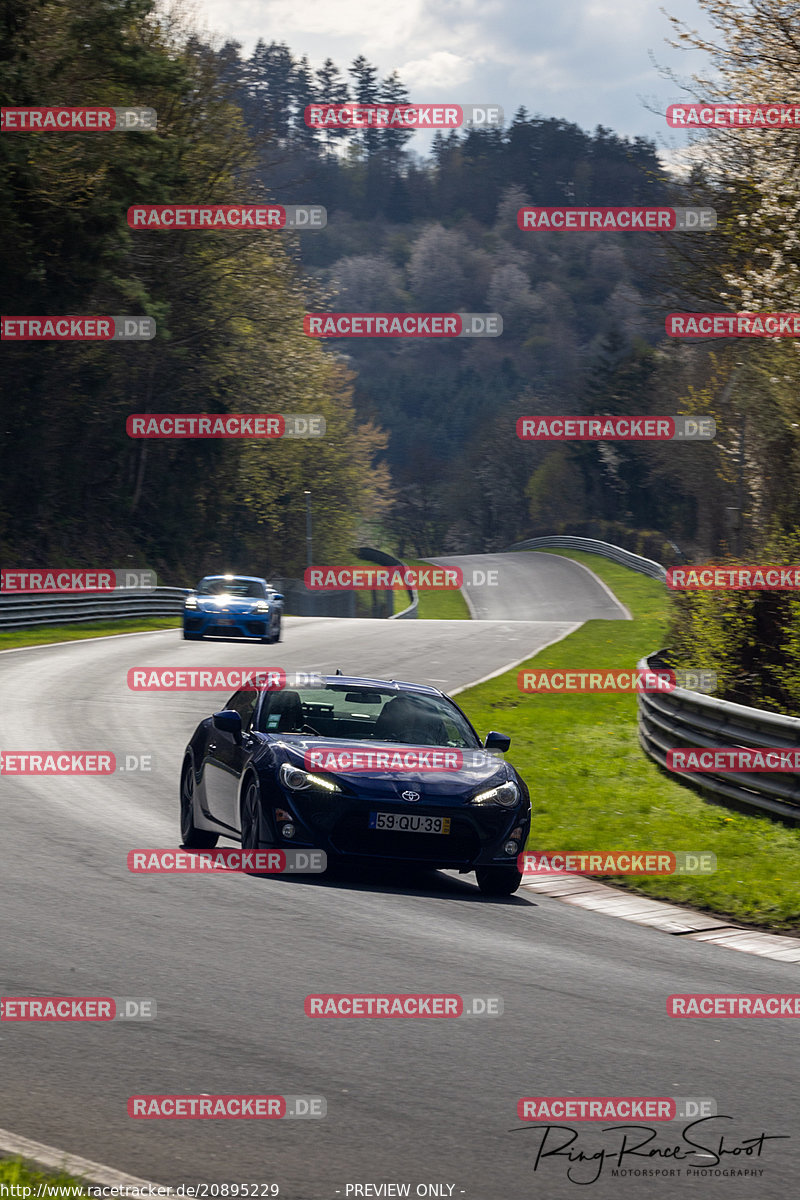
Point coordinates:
[[193, 838], [498, 881], [251, 815], [275, 636]]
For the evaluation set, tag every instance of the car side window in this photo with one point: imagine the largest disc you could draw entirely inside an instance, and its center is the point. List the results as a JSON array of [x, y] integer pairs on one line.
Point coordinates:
[[244, 702]]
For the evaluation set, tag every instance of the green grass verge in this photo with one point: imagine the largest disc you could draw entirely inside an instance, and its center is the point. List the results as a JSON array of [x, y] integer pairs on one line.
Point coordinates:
[[12, 638], [592, 787], [438, 606], [14, 1172]]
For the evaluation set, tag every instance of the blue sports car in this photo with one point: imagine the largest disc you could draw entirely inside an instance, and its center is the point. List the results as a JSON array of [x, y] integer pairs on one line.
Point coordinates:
[[233, 606], [362, 769]]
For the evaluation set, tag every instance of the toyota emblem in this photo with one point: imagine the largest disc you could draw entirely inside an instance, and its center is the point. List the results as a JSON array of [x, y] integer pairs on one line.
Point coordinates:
[[410, 796]]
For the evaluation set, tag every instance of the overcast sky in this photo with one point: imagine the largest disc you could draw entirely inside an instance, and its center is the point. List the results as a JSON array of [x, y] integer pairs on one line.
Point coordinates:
[[587, 61]]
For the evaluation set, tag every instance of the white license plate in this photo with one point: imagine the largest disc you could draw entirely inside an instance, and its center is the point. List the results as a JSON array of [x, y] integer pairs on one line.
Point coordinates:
[[409, 822]]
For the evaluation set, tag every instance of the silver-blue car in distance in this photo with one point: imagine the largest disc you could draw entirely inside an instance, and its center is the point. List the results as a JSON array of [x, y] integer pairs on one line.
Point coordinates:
[[233, 606]]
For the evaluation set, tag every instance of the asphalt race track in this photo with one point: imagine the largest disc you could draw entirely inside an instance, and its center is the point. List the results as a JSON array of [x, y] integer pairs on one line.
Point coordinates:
[[555, 588], [229, 960]]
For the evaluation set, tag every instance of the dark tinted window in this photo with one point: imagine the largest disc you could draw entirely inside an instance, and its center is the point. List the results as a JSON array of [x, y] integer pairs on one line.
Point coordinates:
[[361, 713], [215, 585]]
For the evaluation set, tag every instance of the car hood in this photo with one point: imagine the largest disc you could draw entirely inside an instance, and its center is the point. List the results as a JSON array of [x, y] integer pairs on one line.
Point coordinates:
[[450, 782]]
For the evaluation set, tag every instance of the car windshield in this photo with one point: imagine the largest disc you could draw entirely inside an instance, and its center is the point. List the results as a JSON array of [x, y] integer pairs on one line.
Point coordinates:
[[216, 585], [360, 713]]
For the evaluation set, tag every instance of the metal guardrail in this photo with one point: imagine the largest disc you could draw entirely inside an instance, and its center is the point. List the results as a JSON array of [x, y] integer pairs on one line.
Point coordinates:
[[646, 566], [27, 611], [668, 720], [389, 560]]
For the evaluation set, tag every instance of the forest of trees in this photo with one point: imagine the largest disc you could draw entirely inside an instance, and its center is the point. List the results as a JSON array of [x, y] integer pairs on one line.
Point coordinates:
[[228, 307], [583, 319]]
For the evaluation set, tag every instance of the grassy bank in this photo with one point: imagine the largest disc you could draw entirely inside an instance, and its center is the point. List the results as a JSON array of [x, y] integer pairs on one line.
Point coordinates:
[[15, 1173], [592, 787], [439, 606], [44, 634]]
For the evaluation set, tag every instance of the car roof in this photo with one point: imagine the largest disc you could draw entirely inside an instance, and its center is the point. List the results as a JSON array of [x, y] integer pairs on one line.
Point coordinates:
[[233, 578], [399, 685]]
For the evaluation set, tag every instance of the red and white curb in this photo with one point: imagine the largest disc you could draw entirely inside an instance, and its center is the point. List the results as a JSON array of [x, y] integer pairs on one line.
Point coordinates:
[[669, 918], [88, 1172]]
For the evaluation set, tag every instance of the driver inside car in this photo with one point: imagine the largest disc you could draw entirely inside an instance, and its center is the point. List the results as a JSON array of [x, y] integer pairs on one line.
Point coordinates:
[[405, 720]]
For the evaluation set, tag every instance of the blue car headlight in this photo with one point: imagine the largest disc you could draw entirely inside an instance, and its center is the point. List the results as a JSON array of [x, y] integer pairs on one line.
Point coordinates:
[[297, 780], [506, 795], [190, 602], [262, 606]]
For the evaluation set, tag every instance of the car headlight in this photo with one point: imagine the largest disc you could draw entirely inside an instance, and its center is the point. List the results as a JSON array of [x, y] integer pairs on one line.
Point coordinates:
[[506, 795], [261, 606], [190, 602], [297, 780]]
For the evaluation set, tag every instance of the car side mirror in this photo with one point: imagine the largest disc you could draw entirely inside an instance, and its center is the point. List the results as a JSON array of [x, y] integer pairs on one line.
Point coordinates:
[[229, 721], [278, 596], [496, 741]]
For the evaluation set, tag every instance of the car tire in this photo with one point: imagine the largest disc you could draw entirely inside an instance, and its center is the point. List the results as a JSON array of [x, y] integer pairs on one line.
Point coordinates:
[[498, 881], [250, 815], [192, 837], [276, 636]]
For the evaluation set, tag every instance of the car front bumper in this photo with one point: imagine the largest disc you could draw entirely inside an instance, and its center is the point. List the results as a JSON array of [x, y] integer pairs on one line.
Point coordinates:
[[244, 625], [339, 825]]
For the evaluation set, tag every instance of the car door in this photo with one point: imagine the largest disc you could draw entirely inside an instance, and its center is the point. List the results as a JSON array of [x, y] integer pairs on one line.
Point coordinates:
[[226, 759]]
